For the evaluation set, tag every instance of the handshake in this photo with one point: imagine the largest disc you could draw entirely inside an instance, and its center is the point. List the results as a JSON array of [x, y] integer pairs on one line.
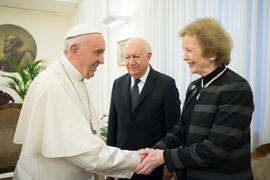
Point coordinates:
[[150, 159]]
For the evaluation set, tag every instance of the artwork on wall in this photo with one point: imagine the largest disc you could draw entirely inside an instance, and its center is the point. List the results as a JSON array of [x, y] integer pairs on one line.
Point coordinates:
[[120, 51], [16, 43]]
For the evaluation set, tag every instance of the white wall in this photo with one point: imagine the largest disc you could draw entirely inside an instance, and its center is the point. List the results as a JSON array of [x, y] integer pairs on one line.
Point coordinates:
[[133, 28], [133, 9], [48, 30]]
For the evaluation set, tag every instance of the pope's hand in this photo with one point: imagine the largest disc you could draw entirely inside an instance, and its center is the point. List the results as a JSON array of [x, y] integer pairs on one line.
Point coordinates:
[[142, 154]]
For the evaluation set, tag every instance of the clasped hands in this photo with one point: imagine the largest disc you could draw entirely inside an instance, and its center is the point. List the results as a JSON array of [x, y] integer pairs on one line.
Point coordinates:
[[150, 159]]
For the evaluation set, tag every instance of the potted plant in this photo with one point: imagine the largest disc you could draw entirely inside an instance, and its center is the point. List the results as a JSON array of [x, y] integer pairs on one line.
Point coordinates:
[[26, 74]]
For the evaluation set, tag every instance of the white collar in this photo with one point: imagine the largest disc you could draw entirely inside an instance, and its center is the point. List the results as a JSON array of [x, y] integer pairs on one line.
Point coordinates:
[[71, 70]]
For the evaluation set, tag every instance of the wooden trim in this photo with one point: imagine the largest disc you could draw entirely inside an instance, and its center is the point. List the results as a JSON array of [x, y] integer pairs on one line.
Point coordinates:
[[10, 105], [261, 151]]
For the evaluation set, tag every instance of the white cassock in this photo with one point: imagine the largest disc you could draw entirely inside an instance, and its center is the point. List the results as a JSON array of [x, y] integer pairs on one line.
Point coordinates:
[[54, 128]]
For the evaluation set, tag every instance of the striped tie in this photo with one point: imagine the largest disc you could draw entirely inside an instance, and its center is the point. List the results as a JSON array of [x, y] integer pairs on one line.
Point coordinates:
[[134, 94]]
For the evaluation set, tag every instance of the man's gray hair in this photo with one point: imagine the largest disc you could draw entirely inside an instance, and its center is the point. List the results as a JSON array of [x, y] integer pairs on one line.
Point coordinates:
[[68, 42], [147, 47], [66, 46]]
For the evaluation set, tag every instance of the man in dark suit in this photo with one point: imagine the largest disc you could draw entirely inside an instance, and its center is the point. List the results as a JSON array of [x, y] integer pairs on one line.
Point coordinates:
[[145, 104]]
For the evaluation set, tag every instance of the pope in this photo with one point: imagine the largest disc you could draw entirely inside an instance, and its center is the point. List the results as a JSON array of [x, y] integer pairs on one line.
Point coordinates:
[[58, 126]]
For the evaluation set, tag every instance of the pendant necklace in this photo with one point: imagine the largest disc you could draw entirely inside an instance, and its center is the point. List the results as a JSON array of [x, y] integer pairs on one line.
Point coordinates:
[[207, 84], [93, 130]]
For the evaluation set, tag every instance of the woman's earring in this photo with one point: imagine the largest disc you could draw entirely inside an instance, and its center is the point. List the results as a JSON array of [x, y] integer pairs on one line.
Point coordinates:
[[212, 59]]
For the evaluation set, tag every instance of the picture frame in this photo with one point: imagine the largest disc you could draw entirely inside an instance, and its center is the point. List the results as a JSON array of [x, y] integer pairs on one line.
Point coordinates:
[[20, 46], [120, 51]]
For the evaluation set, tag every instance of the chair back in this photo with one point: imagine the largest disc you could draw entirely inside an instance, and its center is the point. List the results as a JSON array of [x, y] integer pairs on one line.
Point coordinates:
[[9, 114]]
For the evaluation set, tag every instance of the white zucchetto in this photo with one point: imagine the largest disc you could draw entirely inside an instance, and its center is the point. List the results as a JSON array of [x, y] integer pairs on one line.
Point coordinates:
[[81, 29]]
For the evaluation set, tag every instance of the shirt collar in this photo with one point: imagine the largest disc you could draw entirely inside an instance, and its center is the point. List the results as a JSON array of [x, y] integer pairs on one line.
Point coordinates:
[[71, 70]]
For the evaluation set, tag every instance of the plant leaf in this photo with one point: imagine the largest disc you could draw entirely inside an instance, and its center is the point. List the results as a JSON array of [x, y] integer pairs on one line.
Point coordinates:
[[26, 73]]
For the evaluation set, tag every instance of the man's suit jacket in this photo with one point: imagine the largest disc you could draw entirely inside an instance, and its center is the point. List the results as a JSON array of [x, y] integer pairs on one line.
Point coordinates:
[[157, 111]]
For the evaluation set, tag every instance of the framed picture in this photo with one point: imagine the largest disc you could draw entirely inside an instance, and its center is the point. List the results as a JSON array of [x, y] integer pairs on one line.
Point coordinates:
[[15, 43], [120, 52]]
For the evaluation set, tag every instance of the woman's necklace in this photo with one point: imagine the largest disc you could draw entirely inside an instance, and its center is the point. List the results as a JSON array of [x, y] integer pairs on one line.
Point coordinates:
[[93, 130], [213, 79]]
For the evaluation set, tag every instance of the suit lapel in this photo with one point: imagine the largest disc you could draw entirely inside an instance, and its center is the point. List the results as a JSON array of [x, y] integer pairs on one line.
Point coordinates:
[[126, 91], [148, 86]]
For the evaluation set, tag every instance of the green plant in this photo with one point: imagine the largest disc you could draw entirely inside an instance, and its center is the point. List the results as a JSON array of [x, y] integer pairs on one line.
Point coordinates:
[[26, 74], [104, 129]]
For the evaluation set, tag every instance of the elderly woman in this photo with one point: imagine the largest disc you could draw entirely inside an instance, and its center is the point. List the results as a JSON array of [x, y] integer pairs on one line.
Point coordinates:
[[212, 139]]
